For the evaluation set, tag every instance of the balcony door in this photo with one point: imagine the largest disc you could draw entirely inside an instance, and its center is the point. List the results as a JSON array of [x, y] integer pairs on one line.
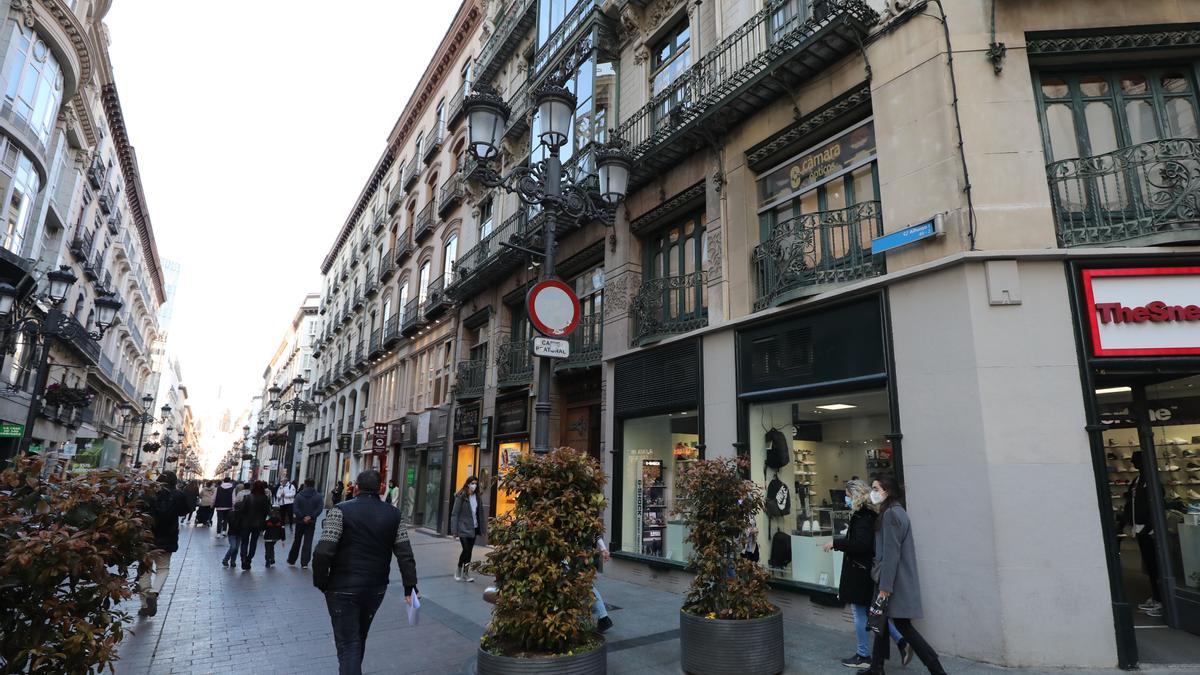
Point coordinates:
[[676, 257]]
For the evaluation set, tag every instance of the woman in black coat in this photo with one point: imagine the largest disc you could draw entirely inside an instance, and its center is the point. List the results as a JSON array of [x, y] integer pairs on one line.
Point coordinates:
[[857, 588], [254, 507]]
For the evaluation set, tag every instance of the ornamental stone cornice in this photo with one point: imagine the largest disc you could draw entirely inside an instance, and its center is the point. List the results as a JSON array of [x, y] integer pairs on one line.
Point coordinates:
[[757, 156], [1046, 44]]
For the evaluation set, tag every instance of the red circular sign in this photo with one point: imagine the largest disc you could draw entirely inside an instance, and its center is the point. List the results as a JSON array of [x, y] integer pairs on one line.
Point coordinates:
[[553, 308]]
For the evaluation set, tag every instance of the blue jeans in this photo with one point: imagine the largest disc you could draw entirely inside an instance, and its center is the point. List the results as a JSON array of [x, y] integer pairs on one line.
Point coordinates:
[[599, 611], [231, 554], [351, 613], [864, 636]]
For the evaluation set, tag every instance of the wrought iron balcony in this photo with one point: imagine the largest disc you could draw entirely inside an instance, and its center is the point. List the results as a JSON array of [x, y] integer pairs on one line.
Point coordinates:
[[364, 244], [353, 259], [376, 345], [587, 344], [391, 331], [395, 197], [433, 143], [739, 76], [668, 306], [107, 201], [404, 246], [521, 105], [387, 267], [114, 221], [515, 20], [411, 171], [86, 346], [81, 245], [455, 111], [358, 297], [514, 365], [468, 379], [96, 173], [436, 300], [359, 357], [371, 287], [413, 318], [809, 252], [487, 261], [1144, 194], [423, 225], [451, 193], [378, 219]]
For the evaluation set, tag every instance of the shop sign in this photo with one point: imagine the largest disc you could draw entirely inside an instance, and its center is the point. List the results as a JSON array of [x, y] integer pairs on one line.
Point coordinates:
[[1174, 411], [844, 152], [1143, 311], [379, 438], [423, 428], [466, 421], [512, 416], [343, 443], [485, 434], [11, 430], [69, 449], [551, 348]]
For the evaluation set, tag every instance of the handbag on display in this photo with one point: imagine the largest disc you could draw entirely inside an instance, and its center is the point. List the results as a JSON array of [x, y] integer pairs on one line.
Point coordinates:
[[779, 452]]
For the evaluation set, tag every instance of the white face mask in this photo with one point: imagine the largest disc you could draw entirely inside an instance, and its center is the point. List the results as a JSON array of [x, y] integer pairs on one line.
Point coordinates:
[[876, 497], [471, 487], [849, 502]]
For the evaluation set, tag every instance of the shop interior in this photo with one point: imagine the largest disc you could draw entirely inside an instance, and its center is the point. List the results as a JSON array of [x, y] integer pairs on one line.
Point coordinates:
[[656, 448], [831, 440], [508, 453], [1173, 412]]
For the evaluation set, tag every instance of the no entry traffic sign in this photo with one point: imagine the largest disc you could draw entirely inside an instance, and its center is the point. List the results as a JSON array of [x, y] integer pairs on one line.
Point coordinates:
[[553, 308]]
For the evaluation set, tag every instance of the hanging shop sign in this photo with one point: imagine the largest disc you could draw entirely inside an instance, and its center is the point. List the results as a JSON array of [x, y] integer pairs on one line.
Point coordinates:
[[466, 422], [553, 308], [379, 438], [343, 443], [1143, 311], [512, 416]]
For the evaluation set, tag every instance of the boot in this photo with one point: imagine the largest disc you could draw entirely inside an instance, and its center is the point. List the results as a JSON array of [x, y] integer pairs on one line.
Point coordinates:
[[458, 573]]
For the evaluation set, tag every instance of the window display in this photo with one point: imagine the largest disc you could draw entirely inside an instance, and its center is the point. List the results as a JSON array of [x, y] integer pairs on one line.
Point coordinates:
[[656, 448], [802, 452], [509, 453]]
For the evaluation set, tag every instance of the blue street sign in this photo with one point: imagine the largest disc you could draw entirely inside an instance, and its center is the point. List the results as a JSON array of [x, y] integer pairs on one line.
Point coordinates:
[[905, 236]]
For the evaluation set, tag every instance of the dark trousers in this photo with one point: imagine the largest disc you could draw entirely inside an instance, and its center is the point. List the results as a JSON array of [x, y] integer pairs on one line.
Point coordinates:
[[351, 613], [249, 546], [285, 514], [269, 550], [879, 651], [1145, 540], [468, 545], [222, 520], [304, 531]]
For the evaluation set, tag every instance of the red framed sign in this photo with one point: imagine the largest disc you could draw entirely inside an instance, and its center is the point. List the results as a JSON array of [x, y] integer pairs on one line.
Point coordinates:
[[1143, 311], [553, 308]]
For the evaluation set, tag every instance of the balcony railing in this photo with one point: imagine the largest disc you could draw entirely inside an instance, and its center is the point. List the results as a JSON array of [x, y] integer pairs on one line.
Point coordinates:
[[561, 35], [516, 19], [1143, 194], [668, 306], [378, 220], [587, 344], [433, 143], [815, 250], [468, 379], [114, 221], [371, 286], [455, 111], [82, 343], [376, 342], [514, 367], [387, 267], [474, 268], [520, 104], [395, 197], [436, 300], [96, 173], [413, 318], [451, 193], [423, 224], [739, 75], [81, 245], [391, 331], [411, 171], [107, 202]]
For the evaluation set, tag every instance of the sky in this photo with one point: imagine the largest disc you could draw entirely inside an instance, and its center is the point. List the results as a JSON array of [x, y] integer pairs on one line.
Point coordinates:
[[256, 124]]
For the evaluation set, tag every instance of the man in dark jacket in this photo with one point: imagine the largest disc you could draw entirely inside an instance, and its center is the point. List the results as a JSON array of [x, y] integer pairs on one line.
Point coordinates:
[[166, 507], [350, 566], [223, 504], [306, 508]]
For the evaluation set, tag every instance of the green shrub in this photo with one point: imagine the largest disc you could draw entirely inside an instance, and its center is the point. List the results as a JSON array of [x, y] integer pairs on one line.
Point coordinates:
[[66, 548], [544, 556], [718, 506]]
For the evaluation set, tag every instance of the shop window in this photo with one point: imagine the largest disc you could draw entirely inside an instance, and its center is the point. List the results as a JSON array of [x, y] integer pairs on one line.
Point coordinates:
[[655, 450], [802, 452]]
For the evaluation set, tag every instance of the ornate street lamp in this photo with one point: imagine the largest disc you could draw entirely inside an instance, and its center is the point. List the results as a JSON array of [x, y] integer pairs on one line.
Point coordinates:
[[298, 406], [543, 184]]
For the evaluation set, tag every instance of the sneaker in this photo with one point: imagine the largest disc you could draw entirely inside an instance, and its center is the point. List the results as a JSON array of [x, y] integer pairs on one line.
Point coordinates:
[[458, 573], [304, 567], [906, 652], [1148, 603], [1154, 611], [857, 661], [601, 625]]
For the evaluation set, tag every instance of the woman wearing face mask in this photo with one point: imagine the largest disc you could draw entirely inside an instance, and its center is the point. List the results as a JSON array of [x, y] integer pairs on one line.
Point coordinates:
[[466, 519], [898, 594], [856, 587]]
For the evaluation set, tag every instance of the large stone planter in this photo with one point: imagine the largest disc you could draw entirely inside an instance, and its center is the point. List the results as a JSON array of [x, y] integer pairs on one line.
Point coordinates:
[[594, 662], [725, 646]]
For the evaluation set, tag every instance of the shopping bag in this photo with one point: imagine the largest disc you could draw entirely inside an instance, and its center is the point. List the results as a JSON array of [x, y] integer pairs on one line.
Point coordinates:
[[414, 610]]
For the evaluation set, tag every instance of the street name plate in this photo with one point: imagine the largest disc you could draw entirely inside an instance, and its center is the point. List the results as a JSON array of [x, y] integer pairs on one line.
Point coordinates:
[[551, 348]]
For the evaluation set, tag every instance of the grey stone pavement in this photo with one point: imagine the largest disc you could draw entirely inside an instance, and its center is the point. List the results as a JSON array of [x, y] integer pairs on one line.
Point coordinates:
[[215, 620]]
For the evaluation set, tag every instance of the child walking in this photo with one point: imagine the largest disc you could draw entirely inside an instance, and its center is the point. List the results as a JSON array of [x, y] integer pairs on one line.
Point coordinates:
[[273, 534]]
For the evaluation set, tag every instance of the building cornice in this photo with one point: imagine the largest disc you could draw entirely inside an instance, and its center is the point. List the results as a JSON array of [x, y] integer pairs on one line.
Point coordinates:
[[456, 39], [135, 195]]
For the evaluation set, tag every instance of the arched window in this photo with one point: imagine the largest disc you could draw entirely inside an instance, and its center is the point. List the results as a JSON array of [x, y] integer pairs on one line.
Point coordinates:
[[34, 81], [450, 255], [402, 307], [423, 283]]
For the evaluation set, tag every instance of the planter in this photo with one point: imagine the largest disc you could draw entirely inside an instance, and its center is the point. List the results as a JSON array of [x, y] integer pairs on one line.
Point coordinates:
[[594, 662], [719, 646]]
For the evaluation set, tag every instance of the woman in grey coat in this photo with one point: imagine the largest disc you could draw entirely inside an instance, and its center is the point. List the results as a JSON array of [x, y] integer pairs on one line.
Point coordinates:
[[465, 520], [898, 591]]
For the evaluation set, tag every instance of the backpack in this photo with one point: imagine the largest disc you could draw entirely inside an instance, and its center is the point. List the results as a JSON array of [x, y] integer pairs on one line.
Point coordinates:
[[779, 499], [781, 550], [778, 452]]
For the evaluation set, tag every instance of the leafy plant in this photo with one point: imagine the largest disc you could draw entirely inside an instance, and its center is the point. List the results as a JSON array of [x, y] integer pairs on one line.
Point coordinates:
[[66, 548], [277, 438], [718, 507], [152, 446], [543, 556], [58, 395]]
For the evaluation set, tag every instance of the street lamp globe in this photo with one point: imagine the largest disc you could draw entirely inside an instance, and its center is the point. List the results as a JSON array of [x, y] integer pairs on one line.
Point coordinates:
[[273, 394], [556, 107], [613, 164], [107, 307], [166, 409], [147, 401], [487, 116], [60, 280], [298, 382], [8, 297]]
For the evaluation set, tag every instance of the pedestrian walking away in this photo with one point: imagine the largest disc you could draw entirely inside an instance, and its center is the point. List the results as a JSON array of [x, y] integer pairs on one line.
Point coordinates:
[[166, 507], [285, 495], [205, 509], [192, 491], [273, 533], [255, 508], [599, 610], [223, 504], [307, 508], [856, 588], [466, 518], [898, 594], [234, 533], [350, 566]]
